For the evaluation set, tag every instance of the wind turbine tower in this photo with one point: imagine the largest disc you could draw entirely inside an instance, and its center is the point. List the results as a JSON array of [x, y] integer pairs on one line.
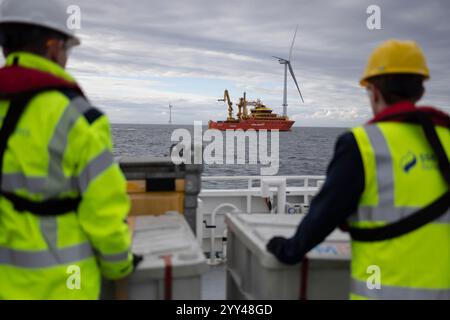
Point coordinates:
[[287, 65], [170, 113]]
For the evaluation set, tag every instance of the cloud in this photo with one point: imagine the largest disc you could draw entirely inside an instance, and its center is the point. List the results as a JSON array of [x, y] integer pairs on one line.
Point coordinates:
[[138, 57]]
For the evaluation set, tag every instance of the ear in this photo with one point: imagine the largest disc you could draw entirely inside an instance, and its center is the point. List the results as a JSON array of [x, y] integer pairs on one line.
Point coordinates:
[[375, 94], [56, 52], [371, 92], [53, 48]]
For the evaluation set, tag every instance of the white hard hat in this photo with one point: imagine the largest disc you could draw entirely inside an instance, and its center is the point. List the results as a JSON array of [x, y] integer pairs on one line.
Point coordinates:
[[51, 14]]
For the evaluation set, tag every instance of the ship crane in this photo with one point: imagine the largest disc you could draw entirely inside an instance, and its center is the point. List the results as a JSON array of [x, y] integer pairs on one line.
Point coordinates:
[[227, 100], [243, 103]]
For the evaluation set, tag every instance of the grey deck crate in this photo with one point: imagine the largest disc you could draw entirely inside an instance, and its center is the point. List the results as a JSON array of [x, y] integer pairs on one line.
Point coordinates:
[[254, 273], [155, 237]]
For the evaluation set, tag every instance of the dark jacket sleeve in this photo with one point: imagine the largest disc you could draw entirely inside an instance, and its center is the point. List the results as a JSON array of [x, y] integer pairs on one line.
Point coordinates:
[[336, 201]]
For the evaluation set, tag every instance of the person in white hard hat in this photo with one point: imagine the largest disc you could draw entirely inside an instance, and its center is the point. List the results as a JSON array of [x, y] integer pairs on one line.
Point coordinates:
[[27, 23], [63, 200]]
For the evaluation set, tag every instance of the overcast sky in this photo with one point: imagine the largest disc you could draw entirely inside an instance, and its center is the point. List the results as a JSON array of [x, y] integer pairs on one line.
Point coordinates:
[[139, 56]]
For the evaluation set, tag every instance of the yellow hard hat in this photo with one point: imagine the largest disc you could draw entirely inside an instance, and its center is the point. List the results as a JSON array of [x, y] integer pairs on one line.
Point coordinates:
[[394, 56]]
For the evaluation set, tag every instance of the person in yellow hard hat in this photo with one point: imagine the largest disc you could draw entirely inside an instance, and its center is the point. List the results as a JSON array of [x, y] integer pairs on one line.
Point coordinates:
[[63, 199], [388, 185]]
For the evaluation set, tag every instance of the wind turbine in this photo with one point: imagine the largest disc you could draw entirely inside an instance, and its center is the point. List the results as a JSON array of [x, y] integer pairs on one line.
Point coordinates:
[[287, 64], [170, 113]]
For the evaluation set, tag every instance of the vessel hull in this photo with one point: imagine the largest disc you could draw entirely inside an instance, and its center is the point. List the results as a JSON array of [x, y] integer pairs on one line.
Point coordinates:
[[281, 125]]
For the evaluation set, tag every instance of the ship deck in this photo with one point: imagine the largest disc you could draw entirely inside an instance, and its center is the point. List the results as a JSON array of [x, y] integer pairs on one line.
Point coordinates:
[[214, 283], [214, 203]]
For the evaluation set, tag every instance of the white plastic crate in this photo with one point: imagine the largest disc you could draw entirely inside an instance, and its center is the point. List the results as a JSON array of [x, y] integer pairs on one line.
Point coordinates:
[[155, 237], [254, 273]]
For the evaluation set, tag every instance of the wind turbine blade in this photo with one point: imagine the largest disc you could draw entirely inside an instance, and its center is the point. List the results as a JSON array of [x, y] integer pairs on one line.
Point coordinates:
[[279, 58], [292, 45], [295, 80]]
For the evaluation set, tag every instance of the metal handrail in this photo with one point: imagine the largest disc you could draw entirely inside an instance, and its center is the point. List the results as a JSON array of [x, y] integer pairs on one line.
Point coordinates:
[[212, 258], [249, 191], [233, 178], [251, 179]]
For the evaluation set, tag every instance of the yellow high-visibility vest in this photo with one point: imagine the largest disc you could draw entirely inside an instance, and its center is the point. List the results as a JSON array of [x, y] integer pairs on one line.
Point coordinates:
[[61, 148], [401, 177]]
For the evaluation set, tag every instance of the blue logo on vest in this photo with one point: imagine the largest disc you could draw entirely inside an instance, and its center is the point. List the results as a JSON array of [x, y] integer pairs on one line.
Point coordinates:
[[429, 161], [408, 161]]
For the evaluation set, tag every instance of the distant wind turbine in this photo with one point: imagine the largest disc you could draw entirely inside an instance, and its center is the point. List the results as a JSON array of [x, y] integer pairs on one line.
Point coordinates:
[[170, 113], [287, 64]]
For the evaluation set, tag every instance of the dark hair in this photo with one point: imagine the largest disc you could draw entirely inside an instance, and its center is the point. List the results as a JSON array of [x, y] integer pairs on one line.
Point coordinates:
[[399, 87], [24, 37]]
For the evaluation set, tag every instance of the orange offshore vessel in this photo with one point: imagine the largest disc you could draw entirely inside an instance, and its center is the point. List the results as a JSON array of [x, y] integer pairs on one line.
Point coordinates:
[[259, 118]]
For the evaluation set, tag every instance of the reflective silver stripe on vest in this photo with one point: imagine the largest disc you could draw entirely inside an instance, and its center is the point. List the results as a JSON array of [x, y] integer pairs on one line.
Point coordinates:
[[383, 162], [392, 215], [81, 104], [45, 258], [385, 211], [95, 167], [36, 185], [56, 182], [398, 293], [12, 182], [15, 181], [117, 257], [49, 230], [384, 214]]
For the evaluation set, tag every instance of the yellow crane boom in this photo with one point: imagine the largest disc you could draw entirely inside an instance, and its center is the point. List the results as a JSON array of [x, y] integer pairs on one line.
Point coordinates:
[[227, 100]]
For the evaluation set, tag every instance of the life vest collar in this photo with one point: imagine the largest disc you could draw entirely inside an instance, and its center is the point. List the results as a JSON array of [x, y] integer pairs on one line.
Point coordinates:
[[37, 62], [15, 80], [404, 111]]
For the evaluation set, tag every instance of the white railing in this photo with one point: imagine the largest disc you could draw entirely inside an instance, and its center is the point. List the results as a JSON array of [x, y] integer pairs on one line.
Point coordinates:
[[212, 259], [309, 185], [251, 179]]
